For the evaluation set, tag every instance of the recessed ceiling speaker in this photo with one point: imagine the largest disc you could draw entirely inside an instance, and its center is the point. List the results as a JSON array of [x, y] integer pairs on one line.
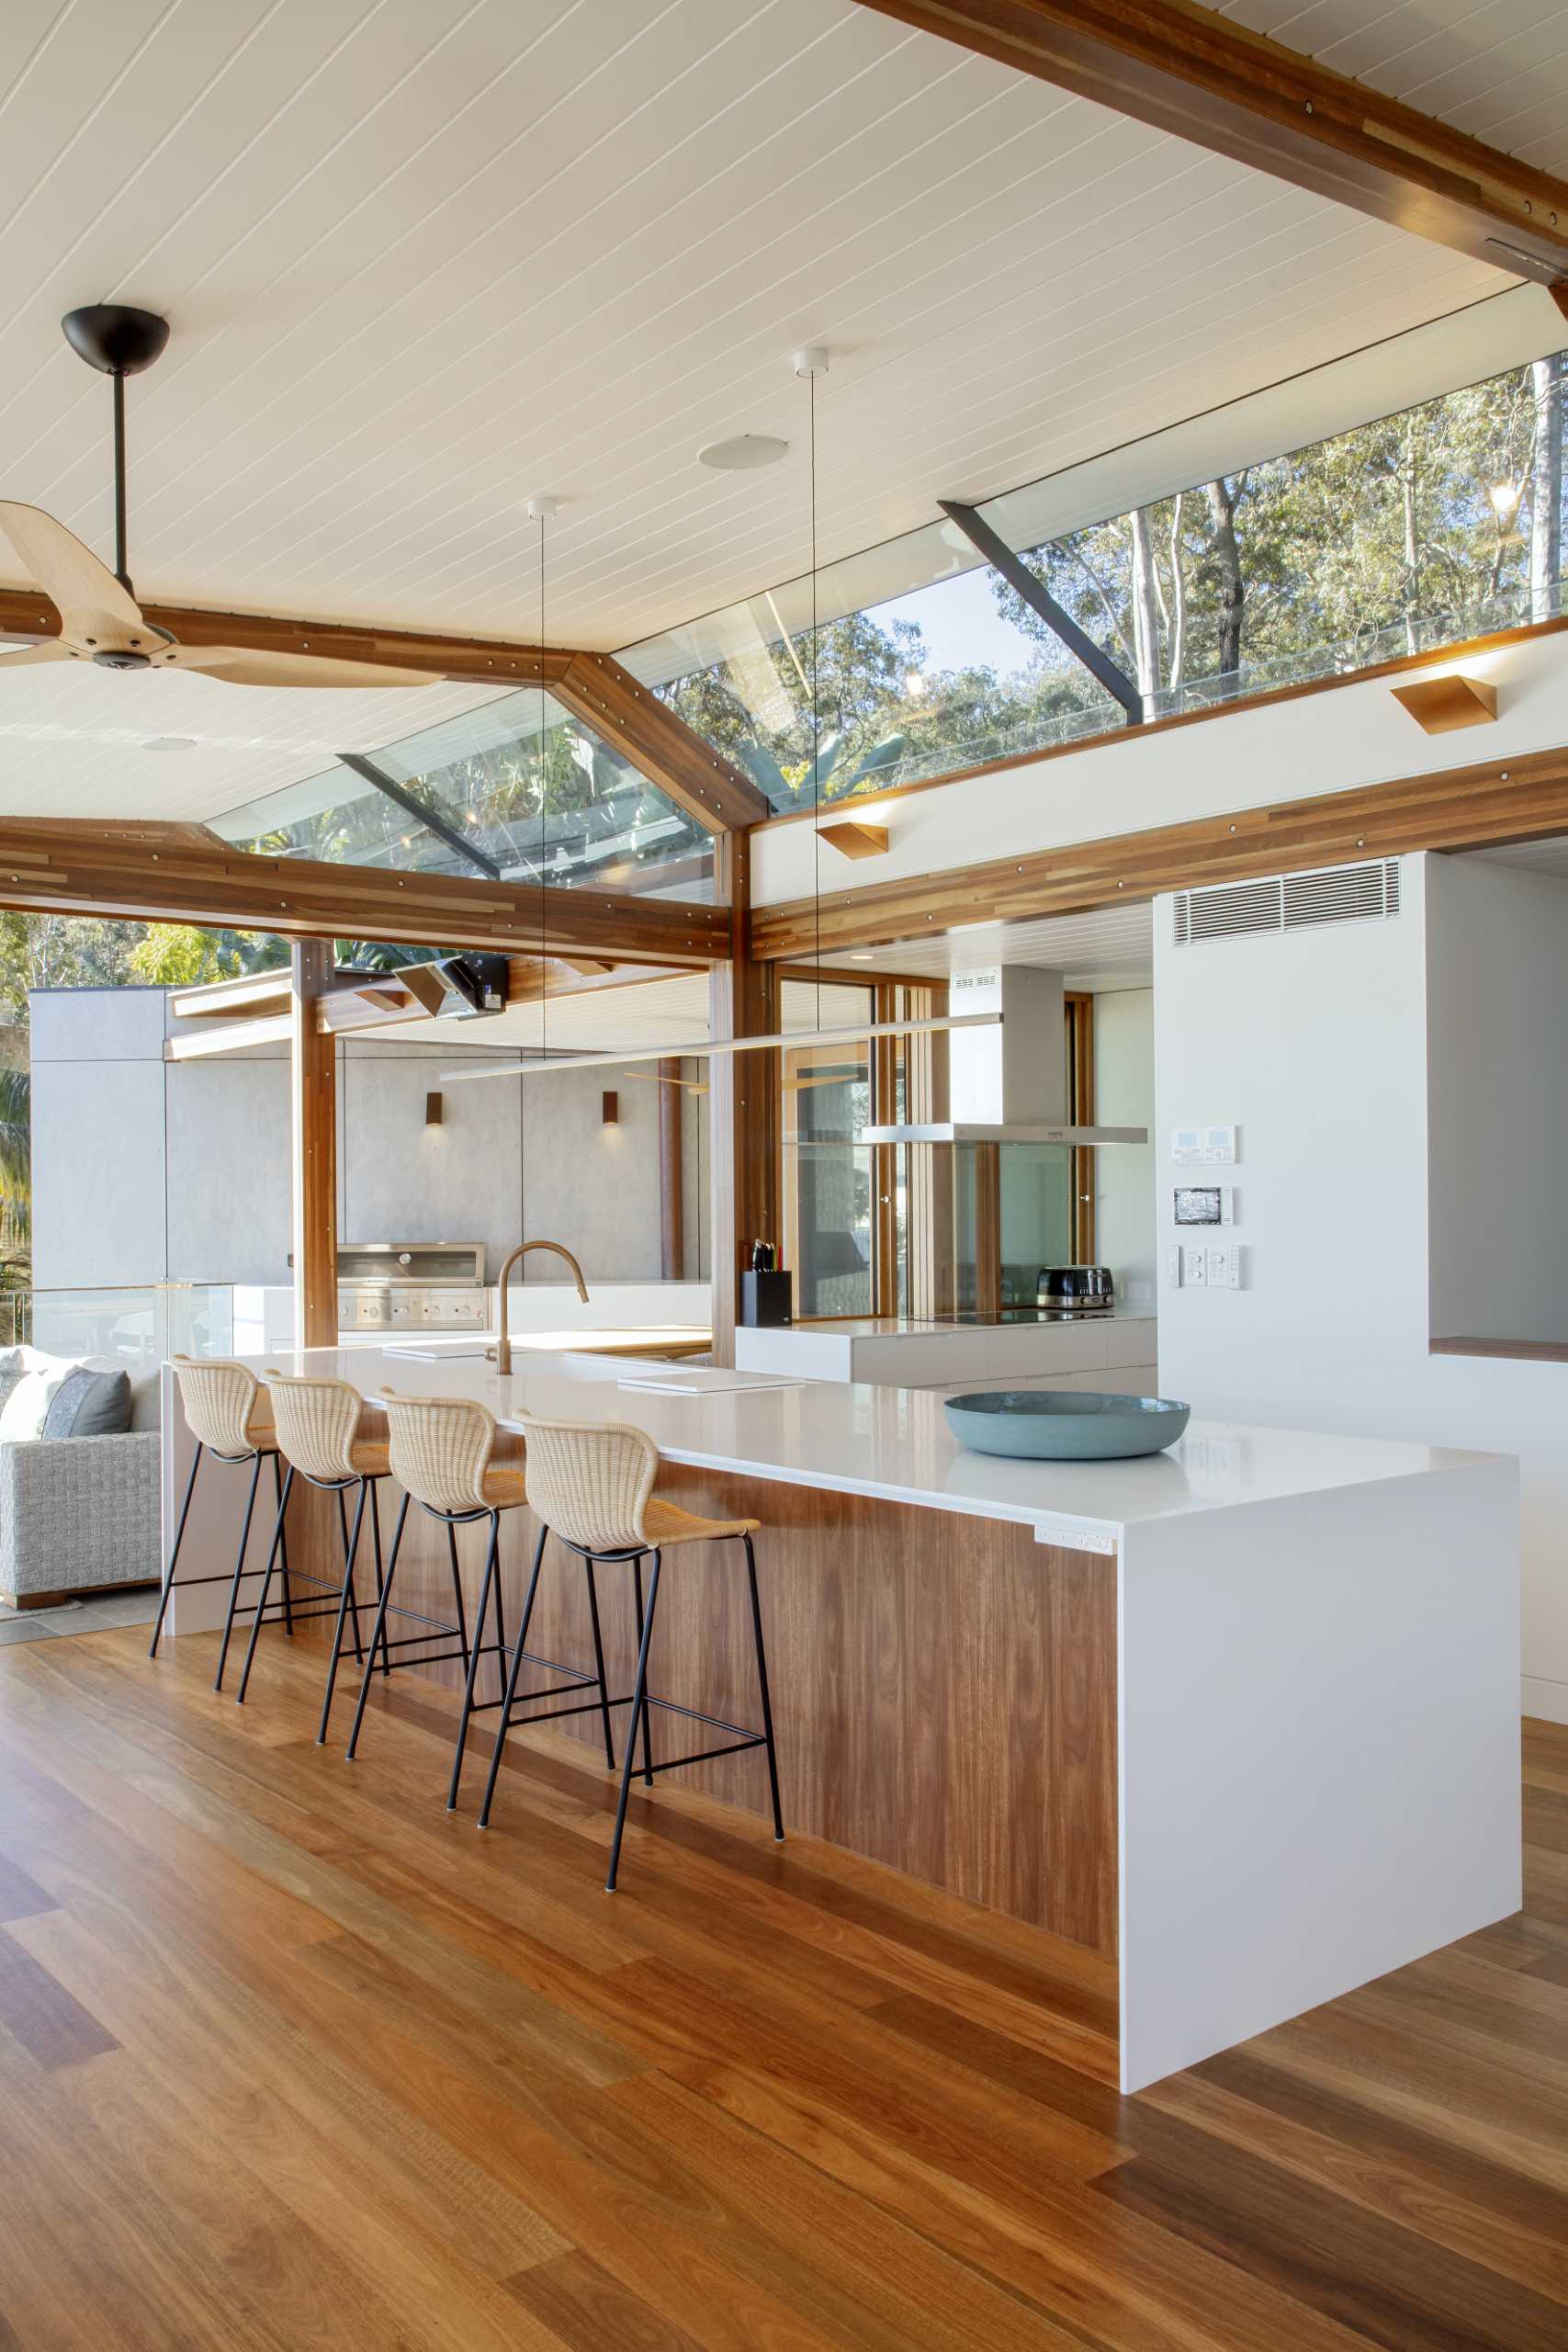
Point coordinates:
[[744, 454]]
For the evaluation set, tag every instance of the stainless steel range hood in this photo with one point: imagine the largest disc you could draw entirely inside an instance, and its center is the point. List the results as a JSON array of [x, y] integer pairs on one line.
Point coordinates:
[[1008, 1085]]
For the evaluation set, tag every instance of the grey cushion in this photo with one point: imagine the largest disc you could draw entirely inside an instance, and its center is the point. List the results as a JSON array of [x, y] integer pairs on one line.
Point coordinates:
[[12, 1366], [89, 1403]]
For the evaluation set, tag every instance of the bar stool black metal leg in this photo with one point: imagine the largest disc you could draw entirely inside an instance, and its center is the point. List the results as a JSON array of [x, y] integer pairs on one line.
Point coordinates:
[[174, 1555], [500, 1636], [599, 1664], [511, 1691], [762, 1687], [647, 1730], [239, 1573], [639, 1708], [475, 1656], [377, 1632], [380, 1573], [282, 1541], [347, 1608], [260, 1611], [348, 1567], [458, 1596]]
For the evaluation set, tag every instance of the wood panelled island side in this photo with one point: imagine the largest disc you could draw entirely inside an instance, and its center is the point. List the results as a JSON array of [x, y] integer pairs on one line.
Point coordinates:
[[1242, 1718]]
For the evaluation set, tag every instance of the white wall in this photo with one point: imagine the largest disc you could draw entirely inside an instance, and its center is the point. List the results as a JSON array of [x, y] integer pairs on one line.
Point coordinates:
[[1315, 1046], [98, 1118], [1497, 1078], [1125, 1173]]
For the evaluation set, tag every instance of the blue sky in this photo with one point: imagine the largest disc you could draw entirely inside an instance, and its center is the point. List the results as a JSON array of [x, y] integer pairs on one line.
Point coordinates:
[[963, 628]]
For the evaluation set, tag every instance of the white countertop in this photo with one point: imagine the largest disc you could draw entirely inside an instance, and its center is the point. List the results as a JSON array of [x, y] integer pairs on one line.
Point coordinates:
[[900, 1327], [895, 1443]]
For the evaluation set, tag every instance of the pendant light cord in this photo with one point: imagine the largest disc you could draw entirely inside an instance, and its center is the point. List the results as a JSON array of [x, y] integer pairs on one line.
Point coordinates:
[[815, 712], [543, 796]]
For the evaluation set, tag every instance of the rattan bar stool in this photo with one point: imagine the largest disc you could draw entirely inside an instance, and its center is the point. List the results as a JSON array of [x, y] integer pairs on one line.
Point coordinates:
[[319, 1431], [591, 1484], [440, 1449], [228, 1414]]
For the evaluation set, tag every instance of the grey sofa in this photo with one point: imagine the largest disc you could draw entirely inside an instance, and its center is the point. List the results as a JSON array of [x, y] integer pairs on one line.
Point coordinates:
[[80, 1514]]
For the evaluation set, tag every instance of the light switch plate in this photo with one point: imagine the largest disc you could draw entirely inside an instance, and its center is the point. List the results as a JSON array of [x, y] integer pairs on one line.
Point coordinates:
[[1194, 1265]]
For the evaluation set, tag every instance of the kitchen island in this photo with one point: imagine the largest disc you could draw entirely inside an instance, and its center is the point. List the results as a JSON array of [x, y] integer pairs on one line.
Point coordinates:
[[1242, 1717]]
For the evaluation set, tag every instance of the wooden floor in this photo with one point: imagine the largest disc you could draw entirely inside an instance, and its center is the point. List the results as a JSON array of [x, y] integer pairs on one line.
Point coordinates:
[[289, 2058]]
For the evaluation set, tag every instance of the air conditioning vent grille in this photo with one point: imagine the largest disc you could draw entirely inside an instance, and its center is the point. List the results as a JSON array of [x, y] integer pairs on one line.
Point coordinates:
[[1331, 894]]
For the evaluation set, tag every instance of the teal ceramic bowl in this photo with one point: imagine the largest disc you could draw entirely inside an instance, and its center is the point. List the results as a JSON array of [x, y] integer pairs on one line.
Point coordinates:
[[1065, 1425]]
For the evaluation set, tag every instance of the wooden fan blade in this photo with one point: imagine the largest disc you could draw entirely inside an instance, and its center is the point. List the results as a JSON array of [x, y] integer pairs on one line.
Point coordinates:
[[22, 657], [95, 610], [241, 666]]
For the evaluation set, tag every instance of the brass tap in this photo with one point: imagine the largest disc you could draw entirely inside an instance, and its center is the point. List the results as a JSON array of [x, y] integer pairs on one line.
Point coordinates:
[[502, 1350]]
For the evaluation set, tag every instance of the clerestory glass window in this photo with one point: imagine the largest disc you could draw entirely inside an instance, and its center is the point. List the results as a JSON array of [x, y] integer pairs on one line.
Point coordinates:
[[520, 786], [1442, 523]]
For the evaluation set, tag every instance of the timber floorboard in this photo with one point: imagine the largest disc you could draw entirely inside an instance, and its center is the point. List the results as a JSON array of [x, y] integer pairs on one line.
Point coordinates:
[[291, 2058]]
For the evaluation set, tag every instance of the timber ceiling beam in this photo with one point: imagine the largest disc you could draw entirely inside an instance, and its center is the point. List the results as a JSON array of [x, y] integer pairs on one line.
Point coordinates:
[[1453, 809], [594, 686], [153, 873], [1196, 75]]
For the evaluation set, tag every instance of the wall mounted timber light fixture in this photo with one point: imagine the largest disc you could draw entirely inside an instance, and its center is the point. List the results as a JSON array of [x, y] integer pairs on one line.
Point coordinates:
[[433, 1109], [1442, 704], [610, 1109]]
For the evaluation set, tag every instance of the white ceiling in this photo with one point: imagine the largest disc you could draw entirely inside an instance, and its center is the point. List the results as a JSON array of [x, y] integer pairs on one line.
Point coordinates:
[[76, 742], [1536, 858], [1111, 948], [421, 261], [1495, 68]]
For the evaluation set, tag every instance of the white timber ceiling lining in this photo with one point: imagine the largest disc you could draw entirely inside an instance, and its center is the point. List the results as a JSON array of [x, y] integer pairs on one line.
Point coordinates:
[[418, 262], [1497, 71], [1113, 947]]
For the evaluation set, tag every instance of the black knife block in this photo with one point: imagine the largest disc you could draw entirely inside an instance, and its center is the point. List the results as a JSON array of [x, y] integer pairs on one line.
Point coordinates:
[[767, 1301]]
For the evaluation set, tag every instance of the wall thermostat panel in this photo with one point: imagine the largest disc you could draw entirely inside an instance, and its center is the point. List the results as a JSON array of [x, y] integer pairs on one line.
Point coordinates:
[[1203, 1146]]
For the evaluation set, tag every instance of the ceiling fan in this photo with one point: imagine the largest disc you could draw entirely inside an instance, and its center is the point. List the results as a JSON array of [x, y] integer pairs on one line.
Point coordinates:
[[99, 618]]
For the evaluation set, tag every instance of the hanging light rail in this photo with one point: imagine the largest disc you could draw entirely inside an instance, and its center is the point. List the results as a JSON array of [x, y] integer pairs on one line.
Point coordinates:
[[787, 1040]]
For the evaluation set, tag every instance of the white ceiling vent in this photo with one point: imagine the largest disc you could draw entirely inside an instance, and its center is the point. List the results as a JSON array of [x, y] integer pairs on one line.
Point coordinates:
[[1289, 902]]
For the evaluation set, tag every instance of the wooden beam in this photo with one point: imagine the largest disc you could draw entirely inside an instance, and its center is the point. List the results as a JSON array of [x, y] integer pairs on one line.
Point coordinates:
[[670, 755], [25, 614], [1525, 798], [532, 979], [671, 1173], [929, 1168], [1207, 80], [885, 1058], [594, 686], [743, 1132], [312, 1064], [230, 1037], [155, 873]]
